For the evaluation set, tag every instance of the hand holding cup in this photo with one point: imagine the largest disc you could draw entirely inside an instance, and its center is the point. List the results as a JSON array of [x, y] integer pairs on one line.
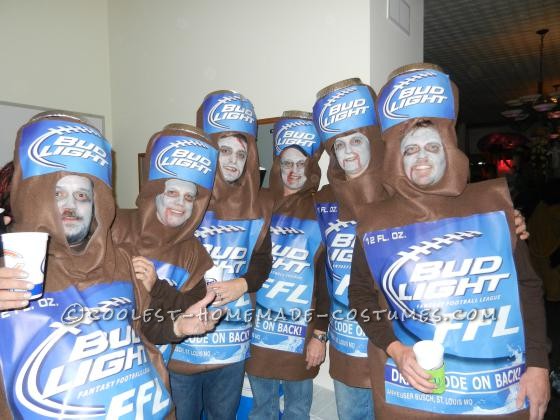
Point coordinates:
[[26, 253]]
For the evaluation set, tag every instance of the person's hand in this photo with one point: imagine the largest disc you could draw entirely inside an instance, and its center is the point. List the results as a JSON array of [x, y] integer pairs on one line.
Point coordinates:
[[535, 386], [409, 368], [145, 272], [197, 320], [520, 227], [228, 291], [316, 351], [10, 279]]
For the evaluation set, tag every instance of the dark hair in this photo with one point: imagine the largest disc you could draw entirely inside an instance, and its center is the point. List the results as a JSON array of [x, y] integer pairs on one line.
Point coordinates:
[[298, 148], [423, 124], [238, 136], [6, 174]]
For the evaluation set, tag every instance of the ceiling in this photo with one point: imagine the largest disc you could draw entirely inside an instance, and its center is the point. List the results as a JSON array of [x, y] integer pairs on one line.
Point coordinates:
[[491, 51]]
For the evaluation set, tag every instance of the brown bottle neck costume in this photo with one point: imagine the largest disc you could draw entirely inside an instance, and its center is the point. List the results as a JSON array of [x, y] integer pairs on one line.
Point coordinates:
[[273, 363], [451, 196], [35, 209], [237, 200], [142, 233], [296, 204], [98, 261], [351, 193]]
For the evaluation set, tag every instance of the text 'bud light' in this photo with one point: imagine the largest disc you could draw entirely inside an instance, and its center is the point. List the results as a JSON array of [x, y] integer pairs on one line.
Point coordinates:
[[344, 110], [417, 94], [49, 146]]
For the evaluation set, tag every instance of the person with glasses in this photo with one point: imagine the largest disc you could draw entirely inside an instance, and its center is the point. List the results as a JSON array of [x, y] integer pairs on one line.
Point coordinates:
[[207, 371], [289, 335]]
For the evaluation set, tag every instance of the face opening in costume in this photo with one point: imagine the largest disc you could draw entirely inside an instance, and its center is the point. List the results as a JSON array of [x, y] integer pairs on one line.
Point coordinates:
[[175, 205], [233, 156], [352, 153], [74, 199], [424, 160], [292, 167]]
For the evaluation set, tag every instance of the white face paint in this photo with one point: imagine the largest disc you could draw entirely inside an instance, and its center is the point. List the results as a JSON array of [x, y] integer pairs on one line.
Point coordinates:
[[175, 205], [352, 153], [424, 158], [292, 166], [74, 198], [233, 155]]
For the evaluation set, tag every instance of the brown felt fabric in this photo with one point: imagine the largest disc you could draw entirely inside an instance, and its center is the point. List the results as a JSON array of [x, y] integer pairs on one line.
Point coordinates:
[[153, 232], [141, 233], [384, 411], [351, 194], [236, 200], [269, 363], [99, 262], [367, 187], [239, 200], [276, 364], [261, 261], [450, 197], [352, 371], [296, 204], [35, 209]]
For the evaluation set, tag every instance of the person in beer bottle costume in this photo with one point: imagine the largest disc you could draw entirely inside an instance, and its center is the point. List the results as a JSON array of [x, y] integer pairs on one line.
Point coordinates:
[[344, 116], [356, 155], [207, 371], [289, 334], [59, 356], [179, 170], [439, 261]]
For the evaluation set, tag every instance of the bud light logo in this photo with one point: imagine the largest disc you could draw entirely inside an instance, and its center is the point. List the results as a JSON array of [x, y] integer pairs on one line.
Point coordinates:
[[407, 282], [49, 146], [344, 110], [229, 111], [425, 93], [183, 158], [81, 358], [295, 132]]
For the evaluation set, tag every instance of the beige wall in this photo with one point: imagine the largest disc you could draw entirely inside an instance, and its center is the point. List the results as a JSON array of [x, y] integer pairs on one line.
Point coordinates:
[[55, 55], [143, 64], [391, 46], [166, 56]]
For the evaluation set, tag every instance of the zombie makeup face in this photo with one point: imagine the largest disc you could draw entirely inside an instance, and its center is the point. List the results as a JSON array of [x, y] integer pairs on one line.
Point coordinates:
[[352, 153], [292, 167], [424, 158], [175, 205], [74, 199], [233, 155]]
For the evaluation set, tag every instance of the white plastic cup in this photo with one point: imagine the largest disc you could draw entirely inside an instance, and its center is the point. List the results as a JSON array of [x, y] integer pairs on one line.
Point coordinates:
[[214, 274], [27, 251], [429, 355]]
